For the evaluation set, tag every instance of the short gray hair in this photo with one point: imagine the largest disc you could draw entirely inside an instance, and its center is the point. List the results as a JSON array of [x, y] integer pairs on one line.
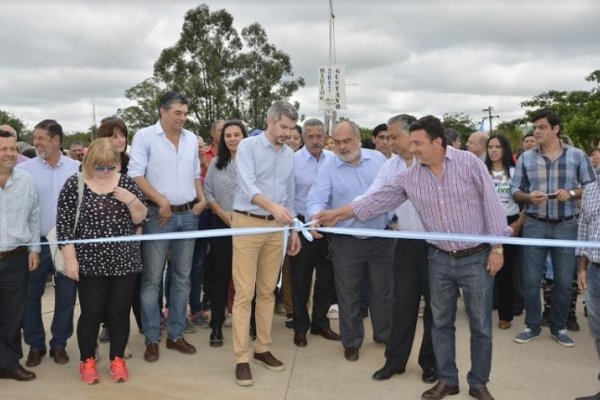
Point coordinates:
[[353, 126], [280, 109], [403, 119], [313, 122]]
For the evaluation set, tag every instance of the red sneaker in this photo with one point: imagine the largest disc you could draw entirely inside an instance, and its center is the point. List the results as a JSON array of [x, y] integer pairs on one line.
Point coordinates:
[[88, 371], [118, 370]]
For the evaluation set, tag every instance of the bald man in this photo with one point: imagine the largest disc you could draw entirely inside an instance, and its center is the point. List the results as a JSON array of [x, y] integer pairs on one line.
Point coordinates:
[[477, 142]]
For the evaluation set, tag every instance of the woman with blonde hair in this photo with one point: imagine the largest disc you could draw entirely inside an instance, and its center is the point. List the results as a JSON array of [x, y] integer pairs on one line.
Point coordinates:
[[111, 205]]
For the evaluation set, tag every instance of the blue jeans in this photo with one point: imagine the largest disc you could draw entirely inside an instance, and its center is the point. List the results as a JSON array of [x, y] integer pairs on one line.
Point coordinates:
[[592, 301], [446, 275], [563, 268], [65, 294], [154, 256]]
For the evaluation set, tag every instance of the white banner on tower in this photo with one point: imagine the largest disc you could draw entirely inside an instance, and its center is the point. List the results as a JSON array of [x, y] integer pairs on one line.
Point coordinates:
[[332, 87]]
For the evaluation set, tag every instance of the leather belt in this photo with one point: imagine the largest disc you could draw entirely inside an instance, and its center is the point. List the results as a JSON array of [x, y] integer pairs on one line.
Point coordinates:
[[15, 251], [552, 221], [464, 252], [263, 217], [178, 208]]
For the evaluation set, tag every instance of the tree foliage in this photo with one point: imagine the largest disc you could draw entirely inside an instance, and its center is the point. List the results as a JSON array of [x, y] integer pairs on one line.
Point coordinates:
[[222, 74], [463, 123], [9, 119]]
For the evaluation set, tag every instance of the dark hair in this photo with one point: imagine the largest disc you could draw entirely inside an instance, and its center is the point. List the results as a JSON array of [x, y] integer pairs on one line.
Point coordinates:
[[433, 126], [529, 134], [224, 154], [552, 118], [107, 130], [53, 128], [298, 129], [379, 128], [594, 151], [169, 98], [5, 134], [29, 152], [507, 158], [451, 134]]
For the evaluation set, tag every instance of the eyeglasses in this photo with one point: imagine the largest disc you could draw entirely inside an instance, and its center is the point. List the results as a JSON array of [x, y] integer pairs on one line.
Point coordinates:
[[103, 168]]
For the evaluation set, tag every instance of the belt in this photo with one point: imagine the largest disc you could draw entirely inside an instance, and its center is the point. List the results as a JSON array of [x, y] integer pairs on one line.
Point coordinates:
[[178, 208], [15, 251], [552, 221], [464, 252], [263, 217]]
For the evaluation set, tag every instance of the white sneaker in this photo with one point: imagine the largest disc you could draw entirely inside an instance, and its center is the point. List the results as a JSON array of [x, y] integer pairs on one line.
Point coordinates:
[[333, 312]]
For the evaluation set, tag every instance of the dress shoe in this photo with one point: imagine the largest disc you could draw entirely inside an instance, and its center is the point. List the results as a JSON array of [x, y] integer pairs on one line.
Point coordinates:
[[429, 375], [502, 324], [327, 333], [351, 353], [386, 373], [593, 397], [269, 361], [18, 374], [481, 393], [243, 375], [439, 391], [300, 339], [181, 346], [34, 358], [151, 353], [216, 337], [60, 356]]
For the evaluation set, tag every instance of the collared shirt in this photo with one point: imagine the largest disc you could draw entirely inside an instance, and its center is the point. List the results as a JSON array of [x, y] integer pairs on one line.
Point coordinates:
[[306, 169], [220, 184], [48, 182], [589, 222], [407, 216], [19, 212], [535, 172], [463, 200], [171, 171], [339, 182], [262, 169], [21, 158]]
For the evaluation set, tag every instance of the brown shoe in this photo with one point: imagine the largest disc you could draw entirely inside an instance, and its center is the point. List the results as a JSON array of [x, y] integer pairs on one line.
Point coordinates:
[[300, 339], [327, 333], [504, 324], [439, 391], [351, 353], [18, 374], [181, 346], [481, 393], [243, 375], [34, 358], [151, 353], [269, 361], [60, 356]]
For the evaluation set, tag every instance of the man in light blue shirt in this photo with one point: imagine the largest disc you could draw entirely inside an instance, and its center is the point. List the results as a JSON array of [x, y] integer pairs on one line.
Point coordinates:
[[313, 256], [344, 177], [49, 170], [164, 163], [265, 198]]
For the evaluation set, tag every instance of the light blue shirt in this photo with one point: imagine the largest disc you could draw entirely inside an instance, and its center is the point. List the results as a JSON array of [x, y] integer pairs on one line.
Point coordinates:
[[48, 183], [339, 182], [19, 212], [171, 171], [306, 169], [261, 169]]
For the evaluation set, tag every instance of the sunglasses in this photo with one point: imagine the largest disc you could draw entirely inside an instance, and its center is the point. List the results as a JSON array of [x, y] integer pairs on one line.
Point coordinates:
[[103, 168]]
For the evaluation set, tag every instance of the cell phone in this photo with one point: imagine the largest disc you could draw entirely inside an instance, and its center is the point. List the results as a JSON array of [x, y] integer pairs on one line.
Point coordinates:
[[551, 196]]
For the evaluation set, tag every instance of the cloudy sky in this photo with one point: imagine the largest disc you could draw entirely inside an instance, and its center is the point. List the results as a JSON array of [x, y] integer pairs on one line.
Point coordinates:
[[415, 56]]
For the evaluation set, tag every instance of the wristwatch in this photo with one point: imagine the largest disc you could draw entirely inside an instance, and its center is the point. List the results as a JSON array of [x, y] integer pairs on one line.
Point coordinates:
[[499, 249], [572, 194]]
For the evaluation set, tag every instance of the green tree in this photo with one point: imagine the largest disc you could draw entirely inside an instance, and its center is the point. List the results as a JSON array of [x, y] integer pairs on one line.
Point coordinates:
[[513, 130], [145, 112], [9, 119], [463, 123]]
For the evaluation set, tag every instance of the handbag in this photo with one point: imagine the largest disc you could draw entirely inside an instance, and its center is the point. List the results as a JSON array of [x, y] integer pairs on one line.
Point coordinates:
[[57, 257]]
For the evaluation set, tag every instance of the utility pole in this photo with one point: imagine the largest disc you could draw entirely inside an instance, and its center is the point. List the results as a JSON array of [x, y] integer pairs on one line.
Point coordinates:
[[93, 132], [490, 116], [331, 114]]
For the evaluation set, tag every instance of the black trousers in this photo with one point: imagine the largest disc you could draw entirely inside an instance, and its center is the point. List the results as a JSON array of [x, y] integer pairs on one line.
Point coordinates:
[[504, 279], [314, 256], [220, 257], [411, 281], [14, 273], [106, 298]]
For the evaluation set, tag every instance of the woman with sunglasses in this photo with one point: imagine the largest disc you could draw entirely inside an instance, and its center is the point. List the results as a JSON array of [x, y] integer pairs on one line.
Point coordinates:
[[111, 205]]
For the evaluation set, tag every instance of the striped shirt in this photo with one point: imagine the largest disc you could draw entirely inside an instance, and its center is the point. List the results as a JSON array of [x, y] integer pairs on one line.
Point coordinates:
[[536, 172], [463, 200], [589, 222]]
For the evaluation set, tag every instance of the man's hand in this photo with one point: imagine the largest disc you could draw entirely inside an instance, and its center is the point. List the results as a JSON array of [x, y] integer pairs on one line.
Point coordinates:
[[34, 260], [313, 232], [293, 244], [582, 279], [199, 207], [537, 197], [281, 214], [164, 212], [328, 217], [495, 262], [562, 195]]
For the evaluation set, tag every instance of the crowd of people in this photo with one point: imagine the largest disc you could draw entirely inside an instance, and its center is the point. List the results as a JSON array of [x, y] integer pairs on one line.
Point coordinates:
[[414, 177]]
